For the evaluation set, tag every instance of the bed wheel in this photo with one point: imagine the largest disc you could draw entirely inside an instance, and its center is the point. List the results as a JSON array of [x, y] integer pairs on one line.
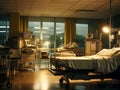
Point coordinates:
[[9, 84], [67, 82], [61, 80]]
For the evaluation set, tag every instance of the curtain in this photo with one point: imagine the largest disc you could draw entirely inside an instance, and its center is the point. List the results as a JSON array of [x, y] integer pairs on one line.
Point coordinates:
[[23, 23], [70, 32]]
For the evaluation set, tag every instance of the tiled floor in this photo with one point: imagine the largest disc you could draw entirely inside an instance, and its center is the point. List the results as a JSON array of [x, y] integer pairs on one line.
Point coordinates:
[[43, 79]]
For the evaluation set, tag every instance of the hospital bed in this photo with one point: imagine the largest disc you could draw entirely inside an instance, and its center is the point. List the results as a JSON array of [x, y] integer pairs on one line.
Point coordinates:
[[104, 64]]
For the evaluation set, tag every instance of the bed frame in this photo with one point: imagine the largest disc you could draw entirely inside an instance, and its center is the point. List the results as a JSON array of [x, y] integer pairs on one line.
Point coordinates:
[[80, 74]]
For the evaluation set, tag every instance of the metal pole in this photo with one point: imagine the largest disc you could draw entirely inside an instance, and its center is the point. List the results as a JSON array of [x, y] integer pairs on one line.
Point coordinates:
[[55, 37], [110, 12]]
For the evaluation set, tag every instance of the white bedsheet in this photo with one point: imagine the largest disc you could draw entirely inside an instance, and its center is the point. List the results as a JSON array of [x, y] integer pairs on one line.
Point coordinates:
[[107, 65], [101, 64]]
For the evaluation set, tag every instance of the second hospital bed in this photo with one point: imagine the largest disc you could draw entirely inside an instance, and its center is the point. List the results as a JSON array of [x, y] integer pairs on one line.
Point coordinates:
[[104, 64]]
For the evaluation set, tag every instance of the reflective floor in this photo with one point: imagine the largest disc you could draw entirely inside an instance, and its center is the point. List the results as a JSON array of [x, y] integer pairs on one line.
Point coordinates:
[[43, 79]]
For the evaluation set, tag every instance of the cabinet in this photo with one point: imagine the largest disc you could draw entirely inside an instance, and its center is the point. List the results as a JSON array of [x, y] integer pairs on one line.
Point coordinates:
[[92, 46]]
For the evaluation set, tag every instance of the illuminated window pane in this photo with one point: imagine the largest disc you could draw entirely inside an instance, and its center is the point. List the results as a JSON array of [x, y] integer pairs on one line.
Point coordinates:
[[59, 34], [34, 27], [81, 32], [4, 32], [47, 34]]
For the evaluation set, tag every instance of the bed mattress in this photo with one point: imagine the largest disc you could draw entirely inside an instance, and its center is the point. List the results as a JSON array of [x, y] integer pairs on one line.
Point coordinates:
[[102, 64]]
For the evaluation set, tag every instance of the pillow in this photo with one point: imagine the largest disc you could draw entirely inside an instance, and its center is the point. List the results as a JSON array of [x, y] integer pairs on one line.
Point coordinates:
[[102, 52], [111, 52], [108, 52], [116, 48]]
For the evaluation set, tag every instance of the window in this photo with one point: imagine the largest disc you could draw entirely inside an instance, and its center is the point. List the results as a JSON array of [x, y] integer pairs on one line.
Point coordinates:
[[34, 27], [81, 32], [59, 34], [4, 31], [47, 33]]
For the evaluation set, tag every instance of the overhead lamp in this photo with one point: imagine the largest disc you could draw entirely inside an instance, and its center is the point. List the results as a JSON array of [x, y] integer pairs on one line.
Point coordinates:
[[106, 29]]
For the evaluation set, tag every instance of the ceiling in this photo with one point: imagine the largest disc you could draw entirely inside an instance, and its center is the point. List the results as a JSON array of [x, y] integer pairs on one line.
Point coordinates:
[[61, 8]]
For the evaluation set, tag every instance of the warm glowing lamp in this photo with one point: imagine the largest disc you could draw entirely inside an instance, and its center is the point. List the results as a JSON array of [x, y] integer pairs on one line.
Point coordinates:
[[106, 29]]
